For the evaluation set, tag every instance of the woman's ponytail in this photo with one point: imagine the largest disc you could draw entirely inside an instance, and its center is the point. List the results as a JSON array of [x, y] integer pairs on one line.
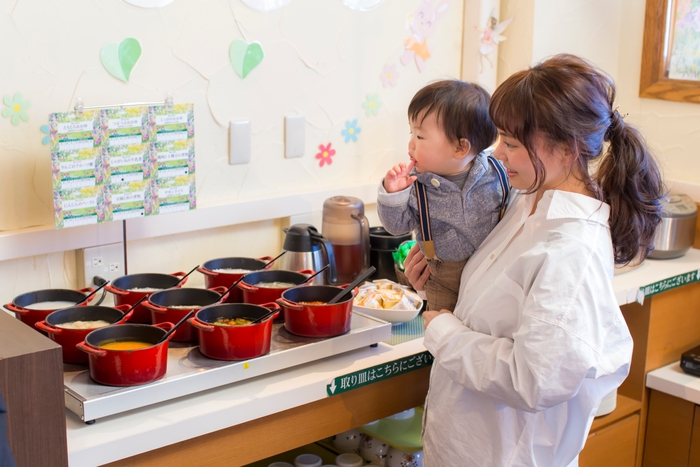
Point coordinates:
[[631, 184]]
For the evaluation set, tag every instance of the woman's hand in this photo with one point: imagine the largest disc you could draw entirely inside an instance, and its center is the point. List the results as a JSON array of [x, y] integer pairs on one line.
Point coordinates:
[[416, 268], [428, 316]]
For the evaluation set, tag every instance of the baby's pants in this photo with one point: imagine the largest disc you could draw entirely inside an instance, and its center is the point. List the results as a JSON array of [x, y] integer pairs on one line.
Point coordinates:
[[442, 287]]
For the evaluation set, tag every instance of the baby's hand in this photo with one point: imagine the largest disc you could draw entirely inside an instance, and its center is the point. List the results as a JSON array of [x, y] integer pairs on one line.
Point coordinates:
[[397, 179]]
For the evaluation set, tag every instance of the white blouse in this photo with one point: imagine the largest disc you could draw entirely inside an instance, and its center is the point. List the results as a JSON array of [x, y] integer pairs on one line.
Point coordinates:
[[535, 342]]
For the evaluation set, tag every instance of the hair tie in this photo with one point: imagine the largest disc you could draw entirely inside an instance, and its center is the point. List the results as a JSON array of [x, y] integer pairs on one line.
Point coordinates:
[[618, 113]]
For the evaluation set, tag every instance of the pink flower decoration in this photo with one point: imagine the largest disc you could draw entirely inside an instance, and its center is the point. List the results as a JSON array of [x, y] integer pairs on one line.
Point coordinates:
[[389, 75], [325, 154]]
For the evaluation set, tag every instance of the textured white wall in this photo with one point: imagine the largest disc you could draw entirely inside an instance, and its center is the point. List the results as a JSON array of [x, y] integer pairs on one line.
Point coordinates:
[[321, 59], [609, 33]]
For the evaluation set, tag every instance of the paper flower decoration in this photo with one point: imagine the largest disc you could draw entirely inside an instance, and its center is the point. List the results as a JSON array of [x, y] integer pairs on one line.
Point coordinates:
[[45, 129], [372, 104], [351, 130], [325, 154], [389, 75], [15, 108]]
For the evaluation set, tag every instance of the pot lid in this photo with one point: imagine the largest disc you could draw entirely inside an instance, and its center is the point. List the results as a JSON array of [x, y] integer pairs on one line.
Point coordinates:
[[675, 206]]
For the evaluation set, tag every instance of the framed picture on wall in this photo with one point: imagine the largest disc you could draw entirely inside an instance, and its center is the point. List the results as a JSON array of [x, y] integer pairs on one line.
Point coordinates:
[[671, 51]]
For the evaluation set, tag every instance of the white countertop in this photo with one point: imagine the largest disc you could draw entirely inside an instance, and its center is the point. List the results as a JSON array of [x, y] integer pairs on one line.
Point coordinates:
[[125, 435], [629, 286], [671, 380], [131, 433]]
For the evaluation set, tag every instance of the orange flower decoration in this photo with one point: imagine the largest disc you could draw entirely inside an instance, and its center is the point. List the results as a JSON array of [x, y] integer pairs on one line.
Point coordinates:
[[325, 154]]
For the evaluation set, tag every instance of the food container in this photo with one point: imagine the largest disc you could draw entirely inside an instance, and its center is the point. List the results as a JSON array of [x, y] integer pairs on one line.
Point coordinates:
[[221, 279], [164, 307], [123, 295], [411, 301], [316, 320], [69, 338], [257, 295], [31, 317], [234, 342], [127, 367], [675, 234]]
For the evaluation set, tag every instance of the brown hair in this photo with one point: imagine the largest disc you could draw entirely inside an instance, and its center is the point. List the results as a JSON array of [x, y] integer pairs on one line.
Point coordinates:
[[461, 110], [568, 101]]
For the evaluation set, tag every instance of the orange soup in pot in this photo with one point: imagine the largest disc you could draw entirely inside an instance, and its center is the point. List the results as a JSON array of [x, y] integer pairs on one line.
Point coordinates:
[[124, 345]]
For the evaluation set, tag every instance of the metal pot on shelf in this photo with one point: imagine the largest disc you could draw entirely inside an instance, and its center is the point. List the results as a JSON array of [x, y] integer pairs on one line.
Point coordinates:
[[675, 234]]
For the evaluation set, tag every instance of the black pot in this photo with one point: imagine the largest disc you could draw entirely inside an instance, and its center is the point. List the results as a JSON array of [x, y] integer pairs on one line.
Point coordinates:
[[381, 246]]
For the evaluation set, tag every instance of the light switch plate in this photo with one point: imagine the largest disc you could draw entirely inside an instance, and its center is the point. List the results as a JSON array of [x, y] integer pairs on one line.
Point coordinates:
[[294, 131], [240, 142]]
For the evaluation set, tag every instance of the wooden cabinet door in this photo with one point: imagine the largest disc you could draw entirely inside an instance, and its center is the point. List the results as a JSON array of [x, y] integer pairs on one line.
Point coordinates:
[[612, 446]]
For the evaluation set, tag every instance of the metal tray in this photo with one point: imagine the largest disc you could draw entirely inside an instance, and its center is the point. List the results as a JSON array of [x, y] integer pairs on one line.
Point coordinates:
[[189, 371]]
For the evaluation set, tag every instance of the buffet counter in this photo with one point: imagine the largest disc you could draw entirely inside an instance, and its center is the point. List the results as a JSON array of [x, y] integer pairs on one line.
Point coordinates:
[[289, 408]]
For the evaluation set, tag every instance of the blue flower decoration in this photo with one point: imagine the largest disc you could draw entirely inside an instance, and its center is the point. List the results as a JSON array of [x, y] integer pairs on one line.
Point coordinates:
[[45, 129], [351, 130]]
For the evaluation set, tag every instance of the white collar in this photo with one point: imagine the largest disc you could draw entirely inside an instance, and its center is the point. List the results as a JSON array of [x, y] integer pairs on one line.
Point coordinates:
[[568, 205]]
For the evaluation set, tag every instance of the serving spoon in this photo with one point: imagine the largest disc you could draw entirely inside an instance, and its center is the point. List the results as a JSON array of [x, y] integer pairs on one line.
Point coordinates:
[[87, 297], [370, 270], [314, 274], [167, 334], [125, 316], [185, 276], [274, 259]]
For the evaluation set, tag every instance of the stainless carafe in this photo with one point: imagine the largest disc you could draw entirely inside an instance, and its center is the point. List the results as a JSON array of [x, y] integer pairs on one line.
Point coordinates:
[[308, 249]]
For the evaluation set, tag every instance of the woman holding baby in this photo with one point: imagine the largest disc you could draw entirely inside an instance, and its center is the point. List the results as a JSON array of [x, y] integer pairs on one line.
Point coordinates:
[[536, 338]]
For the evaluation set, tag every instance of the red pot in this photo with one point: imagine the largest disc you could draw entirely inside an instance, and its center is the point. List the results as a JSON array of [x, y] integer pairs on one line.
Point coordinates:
[[123, 296], [69, 338], [258, 295], [316, 320], [161, 303], [31, 317], [127, 367], [234, 342], [221, 279]]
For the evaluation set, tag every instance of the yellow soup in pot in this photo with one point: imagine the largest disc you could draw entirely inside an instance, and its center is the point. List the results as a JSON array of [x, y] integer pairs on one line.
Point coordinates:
[[124, 345]]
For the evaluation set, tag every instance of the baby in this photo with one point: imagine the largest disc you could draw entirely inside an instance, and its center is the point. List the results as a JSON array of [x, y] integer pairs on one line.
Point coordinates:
[[452, 193]]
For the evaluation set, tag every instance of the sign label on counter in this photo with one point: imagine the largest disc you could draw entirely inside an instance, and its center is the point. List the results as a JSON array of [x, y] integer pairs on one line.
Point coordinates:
[[377, 373], [671, 283]]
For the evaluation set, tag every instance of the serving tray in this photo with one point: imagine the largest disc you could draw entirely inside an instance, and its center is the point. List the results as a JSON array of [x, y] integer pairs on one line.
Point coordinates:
[[189, 371]]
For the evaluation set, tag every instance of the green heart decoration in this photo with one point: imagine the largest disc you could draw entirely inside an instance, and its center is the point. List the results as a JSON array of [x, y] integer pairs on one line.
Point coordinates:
[[245, 56], [120, 59]]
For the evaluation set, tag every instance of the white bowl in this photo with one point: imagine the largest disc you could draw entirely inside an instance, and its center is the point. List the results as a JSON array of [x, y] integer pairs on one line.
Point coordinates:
[[392, 316]]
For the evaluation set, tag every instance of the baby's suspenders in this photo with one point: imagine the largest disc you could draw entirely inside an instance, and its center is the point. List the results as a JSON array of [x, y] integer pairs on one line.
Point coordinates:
[[424, 212]]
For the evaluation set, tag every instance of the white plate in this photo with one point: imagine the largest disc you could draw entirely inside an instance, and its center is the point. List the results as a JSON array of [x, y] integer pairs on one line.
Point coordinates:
[[392, 316]]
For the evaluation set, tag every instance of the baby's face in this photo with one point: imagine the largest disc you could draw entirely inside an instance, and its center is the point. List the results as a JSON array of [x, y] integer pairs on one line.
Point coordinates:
[[430, 148]]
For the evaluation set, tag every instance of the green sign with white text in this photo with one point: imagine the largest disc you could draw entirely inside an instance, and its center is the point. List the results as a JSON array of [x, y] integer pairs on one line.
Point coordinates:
[[671, 283], [376, 373]]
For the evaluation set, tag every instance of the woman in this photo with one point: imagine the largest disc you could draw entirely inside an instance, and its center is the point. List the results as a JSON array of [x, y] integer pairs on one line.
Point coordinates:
[[537, 339]]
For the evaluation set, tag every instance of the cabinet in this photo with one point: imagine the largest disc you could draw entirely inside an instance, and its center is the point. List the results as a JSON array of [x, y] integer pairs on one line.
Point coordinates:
[[673, 433], [614, 445]]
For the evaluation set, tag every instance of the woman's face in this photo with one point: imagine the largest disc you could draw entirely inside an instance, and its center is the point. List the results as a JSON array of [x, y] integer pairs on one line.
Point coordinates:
[[520, 170]]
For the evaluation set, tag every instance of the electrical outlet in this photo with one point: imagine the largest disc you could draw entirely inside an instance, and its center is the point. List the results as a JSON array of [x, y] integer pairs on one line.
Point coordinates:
[[106, 261]]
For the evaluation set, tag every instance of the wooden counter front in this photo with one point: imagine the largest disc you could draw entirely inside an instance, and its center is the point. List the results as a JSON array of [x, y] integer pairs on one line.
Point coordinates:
[[283, 431]]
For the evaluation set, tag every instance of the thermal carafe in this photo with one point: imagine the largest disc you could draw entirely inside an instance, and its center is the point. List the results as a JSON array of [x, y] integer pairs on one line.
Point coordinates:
[[346, 228], [308, 249]]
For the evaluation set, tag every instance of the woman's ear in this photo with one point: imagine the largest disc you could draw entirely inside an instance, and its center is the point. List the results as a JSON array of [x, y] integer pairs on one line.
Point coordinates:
[[463, 148]]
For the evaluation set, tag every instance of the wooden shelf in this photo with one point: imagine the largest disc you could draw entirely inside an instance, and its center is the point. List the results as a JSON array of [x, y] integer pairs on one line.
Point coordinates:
[[625, 406]]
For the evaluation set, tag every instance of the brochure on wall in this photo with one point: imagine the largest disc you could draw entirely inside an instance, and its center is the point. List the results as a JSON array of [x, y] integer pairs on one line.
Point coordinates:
[[115, 164]]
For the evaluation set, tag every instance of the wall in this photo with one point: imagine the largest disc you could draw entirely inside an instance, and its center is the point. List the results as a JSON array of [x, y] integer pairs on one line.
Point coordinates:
[[321, 60], [609, 33]]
